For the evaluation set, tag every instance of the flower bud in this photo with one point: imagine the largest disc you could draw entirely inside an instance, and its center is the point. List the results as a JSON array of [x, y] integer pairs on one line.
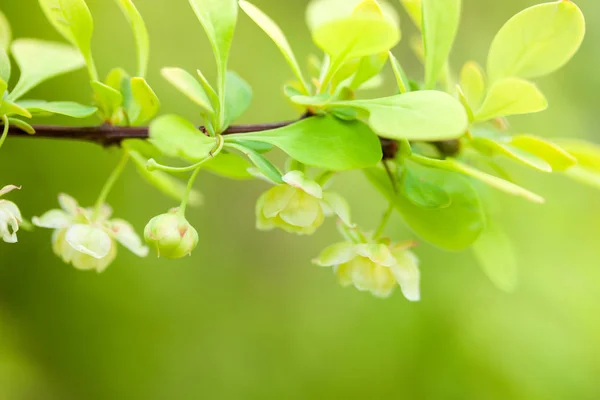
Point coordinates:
[[171, 235]]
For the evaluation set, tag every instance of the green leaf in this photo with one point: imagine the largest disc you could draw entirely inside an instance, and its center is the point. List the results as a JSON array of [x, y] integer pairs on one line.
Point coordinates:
[[189, 86], [587, 170], [453, 228], [496, 255], [73, 20], [410, 115], [361, 34], [511, 96], [416, 188], [323, 142], [493, 181], [68, 108], [401, 78], [238, 96], [118, 79], [8, 108], [22, 125], [143, 105], [558, 158], [142, 41], [5, 32], [229, 165], [320, 12], [537, 41], [274, 31], [177, 137], [5, 68], [440, 25], [39, 61], [265, 166], [218, 17], [492, 148], [164, 182], [472, 83], [368, 69], [108, 99], [414, 9]]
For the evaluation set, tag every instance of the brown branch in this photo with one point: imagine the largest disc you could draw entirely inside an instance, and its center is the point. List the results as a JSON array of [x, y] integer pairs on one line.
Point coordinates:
[[108, 135]]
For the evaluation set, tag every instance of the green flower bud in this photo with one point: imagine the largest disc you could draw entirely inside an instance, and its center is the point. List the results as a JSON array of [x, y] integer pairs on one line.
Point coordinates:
[[171, 235], [374, 267]]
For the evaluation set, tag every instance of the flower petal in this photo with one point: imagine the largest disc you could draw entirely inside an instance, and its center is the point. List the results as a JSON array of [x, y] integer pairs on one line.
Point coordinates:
[[378, 253], [8, 188], [303, 210], [124, 233], [89, 240], [298, 180], [68, 203], [337, 205], [53, 219], [407, 274], [336, 254], [276, 199]]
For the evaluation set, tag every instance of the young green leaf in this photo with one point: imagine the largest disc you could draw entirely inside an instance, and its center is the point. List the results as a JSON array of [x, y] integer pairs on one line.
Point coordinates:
[[3, 84], [5, 32], [496, 255], [118, 79], [320, 12], [265, 166], [22, 125], [511, 96], [440, 26], [414, 9], [238, 96], [409, 116], [587, 170], [558, 158], [5, 69], [68, 108], [229, 165], [218, 17], [472, 83], [39, 61], [108, 99], [144, 104], [453, 228], [142, 41], [177, 137], [493, 181], [361, 34], [422, 193], [189, 86], [492, 148], [73, 20], [323, 142], [368, 70], [8, 108], [401, 78], [274, 31], [537, 41], [163, 181]]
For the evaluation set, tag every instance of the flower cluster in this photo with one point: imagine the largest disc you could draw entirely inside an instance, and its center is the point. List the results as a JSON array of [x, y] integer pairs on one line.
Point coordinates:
[[85, 237]]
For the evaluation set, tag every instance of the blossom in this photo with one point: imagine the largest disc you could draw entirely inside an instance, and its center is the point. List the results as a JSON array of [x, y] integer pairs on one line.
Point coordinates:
[[87, 238], [171, 235], [374, 267], [298, 206], [10, 216]]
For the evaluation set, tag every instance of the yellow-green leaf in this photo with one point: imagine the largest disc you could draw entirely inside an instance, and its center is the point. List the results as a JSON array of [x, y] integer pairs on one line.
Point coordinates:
[[140, 33], [440, 25], [492, 148], [472, 83], [537, 41], [511, 96], [143, 105], [274, 31], [558, 158], [5, 32], [319, 12], [415, 11], [496, 254], [73, 20], [401, 78], [189, 86]]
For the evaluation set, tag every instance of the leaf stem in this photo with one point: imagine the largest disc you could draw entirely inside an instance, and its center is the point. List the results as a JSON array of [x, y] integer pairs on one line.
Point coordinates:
[[5, 131], [112, 179], [384, 221]]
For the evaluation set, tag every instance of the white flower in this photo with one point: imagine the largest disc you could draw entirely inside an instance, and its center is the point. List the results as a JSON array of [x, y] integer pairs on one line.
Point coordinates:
[[10, 217], [85, 239], [374, 267]]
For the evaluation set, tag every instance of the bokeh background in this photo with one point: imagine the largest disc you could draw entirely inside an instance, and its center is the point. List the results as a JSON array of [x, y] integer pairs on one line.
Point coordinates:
[[248, 316]]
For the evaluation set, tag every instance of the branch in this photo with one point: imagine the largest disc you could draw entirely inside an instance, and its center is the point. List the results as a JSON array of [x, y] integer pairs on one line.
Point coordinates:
[[108, 135]]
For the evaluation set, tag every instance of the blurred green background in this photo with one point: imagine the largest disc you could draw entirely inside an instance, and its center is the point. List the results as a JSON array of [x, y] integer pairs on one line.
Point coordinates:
[[248, 316]]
